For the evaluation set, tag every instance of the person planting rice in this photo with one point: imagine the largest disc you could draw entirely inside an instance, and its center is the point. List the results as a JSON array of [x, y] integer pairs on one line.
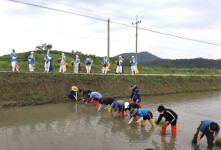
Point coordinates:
[[144, 114], [118, 108], [208, 128], [170, 118], [72, 94], [135, 96], [95, 97], [85, 94], [106, 101]]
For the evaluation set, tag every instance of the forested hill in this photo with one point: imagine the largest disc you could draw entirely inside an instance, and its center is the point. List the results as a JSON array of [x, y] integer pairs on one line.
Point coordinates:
[[142, 56], [183, 63]]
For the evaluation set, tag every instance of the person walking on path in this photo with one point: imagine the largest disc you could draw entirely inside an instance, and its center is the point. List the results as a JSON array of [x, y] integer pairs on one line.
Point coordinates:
[[48, 62], [170, 118], [105, 64], [208, 128], [133, 63], [88, 63], [31, 62], [63, 63], [14, 61]]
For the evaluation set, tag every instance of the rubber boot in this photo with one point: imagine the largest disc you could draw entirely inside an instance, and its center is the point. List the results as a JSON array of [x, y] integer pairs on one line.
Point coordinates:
[[118, 112], [122, 114], [109, 109], [163, 129], [136, 118], [173, 129], [152, 123], [140, 105], [143, 122]]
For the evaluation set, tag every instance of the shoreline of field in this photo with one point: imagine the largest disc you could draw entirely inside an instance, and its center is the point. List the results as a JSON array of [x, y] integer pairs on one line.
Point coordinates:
[[24, 89]]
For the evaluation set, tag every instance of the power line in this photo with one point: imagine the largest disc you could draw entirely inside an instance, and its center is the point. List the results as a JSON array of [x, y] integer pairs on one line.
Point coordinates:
[[145, 29]]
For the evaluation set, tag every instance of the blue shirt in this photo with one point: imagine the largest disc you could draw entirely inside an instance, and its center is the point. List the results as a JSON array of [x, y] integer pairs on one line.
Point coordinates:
[[205, 126], [95, 95], [63, 58], [133, 62], [142, 112], [88, 61], [31, 59], [48, 57], [122, 62], [105, 61], [77, 60], [14, 57]]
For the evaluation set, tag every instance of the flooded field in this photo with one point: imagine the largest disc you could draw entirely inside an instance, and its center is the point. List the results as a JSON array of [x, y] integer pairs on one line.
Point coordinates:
[[75, 126]]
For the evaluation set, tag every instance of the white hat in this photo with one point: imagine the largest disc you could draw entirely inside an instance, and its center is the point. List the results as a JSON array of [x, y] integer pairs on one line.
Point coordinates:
[[62, 53], [77, 56], [120, 56], [132, 56], [32, 52], [126, 105]]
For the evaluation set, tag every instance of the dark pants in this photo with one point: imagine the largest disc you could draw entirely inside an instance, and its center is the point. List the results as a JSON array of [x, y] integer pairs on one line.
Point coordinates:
[[209, 136], [148, 116]]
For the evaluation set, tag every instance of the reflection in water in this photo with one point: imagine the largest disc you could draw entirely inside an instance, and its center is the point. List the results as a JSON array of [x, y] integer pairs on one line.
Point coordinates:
[[77, 126]]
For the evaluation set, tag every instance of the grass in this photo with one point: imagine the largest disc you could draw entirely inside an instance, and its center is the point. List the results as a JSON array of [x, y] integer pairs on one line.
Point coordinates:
[[19, 89]]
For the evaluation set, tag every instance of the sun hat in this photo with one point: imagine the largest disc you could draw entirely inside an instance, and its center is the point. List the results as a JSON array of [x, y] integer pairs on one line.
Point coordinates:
[[74, 88], [32, 52], [133, 111], [133, 86], [132, 56]]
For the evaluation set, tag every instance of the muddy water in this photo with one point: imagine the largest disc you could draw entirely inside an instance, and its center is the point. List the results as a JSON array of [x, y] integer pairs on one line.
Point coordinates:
[[75, 126]]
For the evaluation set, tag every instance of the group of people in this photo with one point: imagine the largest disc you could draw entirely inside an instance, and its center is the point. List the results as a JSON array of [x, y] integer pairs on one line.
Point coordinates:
[[137, 113], [76, 63], [120, 65]]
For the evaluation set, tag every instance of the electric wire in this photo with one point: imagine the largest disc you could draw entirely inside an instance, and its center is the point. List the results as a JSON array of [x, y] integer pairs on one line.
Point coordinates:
[[123, 24]]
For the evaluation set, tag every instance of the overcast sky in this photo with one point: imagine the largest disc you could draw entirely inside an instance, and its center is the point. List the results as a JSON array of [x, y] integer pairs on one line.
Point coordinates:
[[24, 27]]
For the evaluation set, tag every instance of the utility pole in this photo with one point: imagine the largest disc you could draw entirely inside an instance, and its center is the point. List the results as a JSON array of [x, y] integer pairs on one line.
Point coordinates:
[[136, 23], [108, 38]]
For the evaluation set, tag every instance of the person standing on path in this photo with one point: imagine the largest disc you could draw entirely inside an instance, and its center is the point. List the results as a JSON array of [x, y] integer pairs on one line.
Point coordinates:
[[63, 63], [14, 61], [31, 62], [105, 64], [133, 63], [48, 62], [88, 63]]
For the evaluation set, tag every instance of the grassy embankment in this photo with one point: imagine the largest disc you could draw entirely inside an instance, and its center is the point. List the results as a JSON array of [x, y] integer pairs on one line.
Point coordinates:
[[5, 65], [21, 89]]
